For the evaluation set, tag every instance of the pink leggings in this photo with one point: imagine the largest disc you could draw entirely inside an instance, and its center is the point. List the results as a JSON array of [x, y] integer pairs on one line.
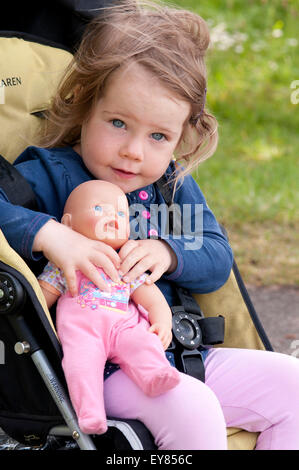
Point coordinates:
[[253, 390]]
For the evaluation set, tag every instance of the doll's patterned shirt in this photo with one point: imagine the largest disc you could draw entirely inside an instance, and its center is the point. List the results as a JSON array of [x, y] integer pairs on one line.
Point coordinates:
[[90, 296]]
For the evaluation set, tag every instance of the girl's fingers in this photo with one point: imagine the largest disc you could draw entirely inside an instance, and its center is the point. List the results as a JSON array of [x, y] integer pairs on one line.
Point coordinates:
[[140, 268], [139, 257], [110, 253], [134, 256], [126, 248], [107, 265], [157, 271], [71, 280], [155, 275], [91, 272]]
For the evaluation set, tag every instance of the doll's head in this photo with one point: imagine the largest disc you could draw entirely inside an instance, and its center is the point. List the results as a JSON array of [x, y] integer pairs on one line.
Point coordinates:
[[99, 210]]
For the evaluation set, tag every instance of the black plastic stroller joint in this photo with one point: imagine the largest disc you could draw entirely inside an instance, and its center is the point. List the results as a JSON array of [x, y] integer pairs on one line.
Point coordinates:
[[12, 294], [192, 331], [185, 328], [190, 327]]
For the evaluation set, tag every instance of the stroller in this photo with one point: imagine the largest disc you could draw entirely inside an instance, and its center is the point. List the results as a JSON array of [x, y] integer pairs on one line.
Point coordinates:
[[35, 409]]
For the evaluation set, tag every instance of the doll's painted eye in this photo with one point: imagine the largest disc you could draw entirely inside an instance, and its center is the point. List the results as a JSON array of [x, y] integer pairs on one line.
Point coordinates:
[[98, 209], [121, 213]]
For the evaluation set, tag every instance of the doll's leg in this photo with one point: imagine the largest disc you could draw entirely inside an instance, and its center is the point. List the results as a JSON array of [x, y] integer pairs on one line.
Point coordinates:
[[141, 356], [188, 417], [258, 391], [84, 358]]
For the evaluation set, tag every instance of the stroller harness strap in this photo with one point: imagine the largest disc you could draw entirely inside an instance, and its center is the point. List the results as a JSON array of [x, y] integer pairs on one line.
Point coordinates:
[[190, 328], [16, 188]]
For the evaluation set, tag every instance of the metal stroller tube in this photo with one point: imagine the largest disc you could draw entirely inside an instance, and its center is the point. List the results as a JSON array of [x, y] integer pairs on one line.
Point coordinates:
[[62, 401], [12, 299]]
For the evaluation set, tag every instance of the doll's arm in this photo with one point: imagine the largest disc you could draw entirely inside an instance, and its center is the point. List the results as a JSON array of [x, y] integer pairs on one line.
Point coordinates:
[[51, 294], [159, 313]]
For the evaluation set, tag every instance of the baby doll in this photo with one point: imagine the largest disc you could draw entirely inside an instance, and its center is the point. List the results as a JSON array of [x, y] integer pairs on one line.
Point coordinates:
[[98, 325]]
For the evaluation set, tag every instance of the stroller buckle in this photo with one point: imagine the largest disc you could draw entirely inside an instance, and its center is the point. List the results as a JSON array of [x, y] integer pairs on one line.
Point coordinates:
[[185, 328]]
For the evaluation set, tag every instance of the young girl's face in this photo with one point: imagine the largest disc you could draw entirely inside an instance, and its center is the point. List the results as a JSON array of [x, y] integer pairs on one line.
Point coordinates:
[[131, 135]]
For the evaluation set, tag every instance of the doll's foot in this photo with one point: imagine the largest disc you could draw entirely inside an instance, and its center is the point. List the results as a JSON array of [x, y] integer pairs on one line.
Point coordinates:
[[92, 425], [164, 380]]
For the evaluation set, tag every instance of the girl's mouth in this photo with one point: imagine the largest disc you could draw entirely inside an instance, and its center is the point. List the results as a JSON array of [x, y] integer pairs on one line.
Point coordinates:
[[124, 174]]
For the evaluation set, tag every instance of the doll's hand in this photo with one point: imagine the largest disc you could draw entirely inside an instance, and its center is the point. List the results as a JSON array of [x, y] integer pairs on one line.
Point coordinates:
[[71, 251], [139, 256], [164, 333]]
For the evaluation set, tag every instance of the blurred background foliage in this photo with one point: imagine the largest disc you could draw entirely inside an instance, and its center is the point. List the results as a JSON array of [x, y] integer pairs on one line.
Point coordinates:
[[251, 182]]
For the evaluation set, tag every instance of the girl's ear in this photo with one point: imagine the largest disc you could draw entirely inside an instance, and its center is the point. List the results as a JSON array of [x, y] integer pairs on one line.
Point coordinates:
[[67, 220]]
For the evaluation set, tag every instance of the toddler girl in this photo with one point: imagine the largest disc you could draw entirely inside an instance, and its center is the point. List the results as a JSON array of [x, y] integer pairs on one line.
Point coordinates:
[[133, 96]]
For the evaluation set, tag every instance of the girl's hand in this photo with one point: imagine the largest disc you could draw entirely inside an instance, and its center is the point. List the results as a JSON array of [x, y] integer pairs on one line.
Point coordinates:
[[71, 251], [139, 256], [163, 332]]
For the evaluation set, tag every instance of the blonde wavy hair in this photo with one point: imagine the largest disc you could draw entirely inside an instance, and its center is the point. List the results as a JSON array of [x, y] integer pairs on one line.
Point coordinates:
[[169, 42]]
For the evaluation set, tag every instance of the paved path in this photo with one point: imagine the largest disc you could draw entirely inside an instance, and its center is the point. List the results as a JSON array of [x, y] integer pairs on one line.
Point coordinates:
[[278, 310]]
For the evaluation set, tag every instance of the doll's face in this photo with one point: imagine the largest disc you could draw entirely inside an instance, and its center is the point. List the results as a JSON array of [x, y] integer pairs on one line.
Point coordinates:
[[99, 210]]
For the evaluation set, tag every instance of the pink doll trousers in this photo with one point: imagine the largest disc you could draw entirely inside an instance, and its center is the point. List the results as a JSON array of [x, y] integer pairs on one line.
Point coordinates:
[[91, 336], [253, 390]]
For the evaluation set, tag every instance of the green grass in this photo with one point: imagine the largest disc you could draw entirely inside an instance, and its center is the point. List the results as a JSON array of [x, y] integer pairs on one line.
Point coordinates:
[[253, 176], [251, 182]]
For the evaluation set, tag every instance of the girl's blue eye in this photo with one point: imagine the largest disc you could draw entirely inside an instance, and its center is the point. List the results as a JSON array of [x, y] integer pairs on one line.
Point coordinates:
[[121, 213], [118, 123], [98, 209], [158, 136]]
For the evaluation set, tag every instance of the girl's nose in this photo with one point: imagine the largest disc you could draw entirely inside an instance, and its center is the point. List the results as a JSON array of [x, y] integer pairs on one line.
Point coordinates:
[[132, 149]]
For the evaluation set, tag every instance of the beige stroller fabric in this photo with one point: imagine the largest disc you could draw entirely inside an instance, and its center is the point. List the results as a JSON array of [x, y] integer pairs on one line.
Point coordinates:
[[30, 73]]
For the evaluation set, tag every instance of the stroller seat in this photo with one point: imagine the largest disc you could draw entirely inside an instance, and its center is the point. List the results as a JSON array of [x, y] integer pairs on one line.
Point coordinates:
[[33, 395]]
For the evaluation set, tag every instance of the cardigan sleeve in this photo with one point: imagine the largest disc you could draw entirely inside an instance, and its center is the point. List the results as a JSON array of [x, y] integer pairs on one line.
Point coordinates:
[[20, 225]]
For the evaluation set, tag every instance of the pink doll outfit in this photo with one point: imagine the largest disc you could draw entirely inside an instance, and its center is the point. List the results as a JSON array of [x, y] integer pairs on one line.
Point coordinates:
[[96, 326]]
